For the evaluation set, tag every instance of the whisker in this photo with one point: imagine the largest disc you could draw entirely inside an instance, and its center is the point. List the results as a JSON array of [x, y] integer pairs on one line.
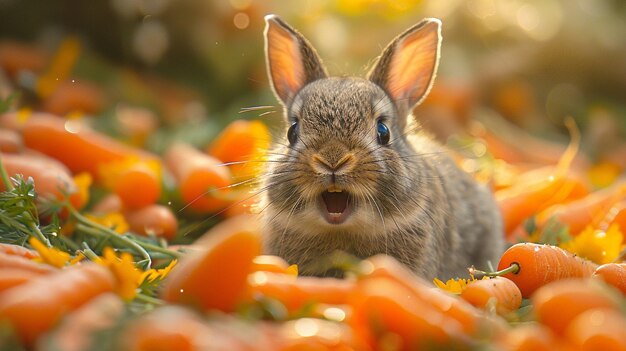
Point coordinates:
[[255, 108]]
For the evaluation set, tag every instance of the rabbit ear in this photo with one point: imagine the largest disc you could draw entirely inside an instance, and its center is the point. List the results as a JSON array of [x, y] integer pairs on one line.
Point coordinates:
[[406, 69], [291, 60]]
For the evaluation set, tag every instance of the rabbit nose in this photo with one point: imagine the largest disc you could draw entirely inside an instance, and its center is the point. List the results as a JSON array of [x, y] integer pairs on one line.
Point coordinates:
[[322, 165]]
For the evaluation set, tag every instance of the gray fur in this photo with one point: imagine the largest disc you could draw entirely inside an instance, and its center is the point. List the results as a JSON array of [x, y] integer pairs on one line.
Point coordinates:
[[411, 201]]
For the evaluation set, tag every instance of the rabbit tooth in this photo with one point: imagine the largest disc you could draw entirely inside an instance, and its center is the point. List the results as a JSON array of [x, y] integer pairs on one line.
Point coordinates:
[[334, 189]]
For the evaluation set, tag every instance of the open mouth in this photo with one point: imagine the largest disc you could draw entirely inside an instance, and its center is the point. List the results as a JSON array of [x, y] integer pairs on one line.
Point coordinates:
[[335, 205]]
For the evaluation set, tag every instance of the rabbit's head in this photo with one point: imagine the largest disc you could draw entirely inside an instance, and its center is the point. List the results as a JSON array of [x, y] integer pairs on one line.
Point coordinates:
[[345, 163]]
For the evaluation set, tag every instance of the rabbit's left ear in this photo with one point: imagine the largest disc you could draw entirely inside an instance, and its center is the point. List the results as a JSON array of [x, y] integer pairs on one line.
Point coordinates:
[[406, 69], [291, 60]]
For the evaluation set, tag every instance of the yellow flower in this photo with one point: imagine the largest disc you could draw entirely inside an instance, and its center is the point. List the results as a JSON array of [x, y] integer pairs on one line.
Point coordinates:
[[293, 270], [60, 67], [49, 255], [113, 220], [124, 270], [109, 172], [454, 286], [23, 114], [83, 181], [596, 245], [153, 274]]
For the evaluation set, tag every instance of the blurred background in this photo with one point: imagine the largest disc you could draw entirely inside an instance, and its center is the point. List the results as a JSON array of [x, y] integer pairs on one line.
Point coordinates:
[[152, 71]]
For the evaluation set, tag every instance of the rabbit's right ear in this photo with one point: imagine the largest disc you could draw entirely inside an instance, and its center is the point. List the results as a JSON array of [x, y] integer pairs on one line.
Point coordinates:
[[291, 60]]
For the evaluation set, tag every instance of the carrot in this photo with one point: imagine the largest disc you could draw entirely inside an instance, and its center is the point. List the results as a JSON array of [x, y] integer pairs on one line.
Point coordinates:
[[10, 141], [312, 334], [17, 250], [457, 309], [35, 307], [381, 307], [589, 210], [527, 337], [75, 96], [213, 276], [76, 145], [9, 261], [52, 179], [558, 303], [10, 277], [108, 204], [298, 292], [614, 274], [16, 57], [598, 330], [76, 332], [138, 186], [175, 328], [538, 265], [239, 142], [153, 219], [274, 264], [136, 123], [617, 215], [519, 203], [201, 179], [499, 291]]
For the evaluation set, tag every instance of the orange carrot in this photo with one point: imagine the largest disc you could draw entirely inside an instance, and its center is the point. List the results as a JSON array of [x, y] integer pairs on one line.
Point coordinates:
[[499, 291], [10, 141], [138, 186], [382, 306], [538, 265], [17, 250], [76, 332], [455, 308], [527, 337], [589, 210], [614, 274], [616, 215], [17, 262], [16, 57], [238, 143], [77, 96], [76, 145], [274, 264], [298, 292], [175, 328], [52, 179], [108, 204], [154, 219], [10, 277], [213, 276], [558, 303], [519, 203], [598, 329], [322, 335], [35, 307], [201, 179]]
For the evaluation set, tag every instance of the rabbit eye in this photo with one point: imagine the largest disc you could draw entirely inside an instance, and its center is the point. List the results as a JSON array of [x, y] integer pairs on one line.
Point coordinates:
[[382, 133], [292, 133]]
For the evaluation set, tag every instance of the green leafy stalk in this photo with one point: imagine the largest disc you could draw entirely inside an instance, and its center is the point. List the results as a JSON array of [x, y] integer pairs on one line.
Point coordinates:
[[5, 176]]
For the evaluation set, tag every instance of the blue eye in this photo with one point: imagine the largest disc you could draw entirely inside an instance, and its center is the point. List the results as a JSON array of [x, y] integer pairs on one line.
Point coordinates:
[[382, 133], [292, 133]]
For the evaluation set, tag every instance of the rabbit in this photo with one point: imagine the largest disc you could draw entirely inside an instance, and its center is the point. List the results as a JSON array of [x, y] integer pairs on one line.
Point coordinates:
[[353, 171]]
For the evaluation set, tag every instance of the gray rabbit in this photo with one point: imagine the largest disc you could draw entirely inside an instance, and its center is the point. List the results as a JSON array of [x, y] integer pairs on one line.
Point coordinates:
[[354, 172]]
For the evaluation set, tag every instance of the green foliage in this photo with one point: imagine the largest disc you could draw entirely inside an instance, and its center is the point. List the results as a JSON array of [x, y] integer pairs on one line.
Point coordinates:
[[19, 215]]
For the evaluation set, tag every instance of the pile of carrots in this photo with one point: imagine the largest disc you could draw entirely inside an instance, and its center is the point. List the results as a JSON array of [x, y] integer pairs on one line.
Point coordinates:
[[146, 285]]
